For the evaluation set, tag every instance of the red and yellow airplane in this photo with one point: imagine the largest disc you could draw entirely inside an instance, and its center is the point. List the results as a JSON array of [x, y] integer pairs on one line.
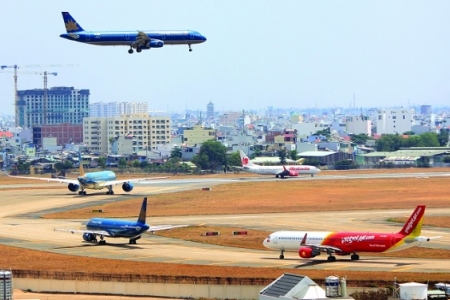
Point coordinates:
[[311, 244]]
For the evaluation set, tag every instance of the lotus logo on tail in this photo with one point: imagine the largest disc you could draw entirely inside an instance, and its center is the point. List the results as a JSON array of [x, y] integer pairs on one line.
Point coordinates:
[[245, 161]]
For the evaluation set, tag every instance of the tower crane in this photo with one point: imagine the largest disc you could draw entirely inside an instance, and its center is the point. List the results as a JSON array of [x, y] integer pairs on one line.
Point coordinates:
[[16, 96]]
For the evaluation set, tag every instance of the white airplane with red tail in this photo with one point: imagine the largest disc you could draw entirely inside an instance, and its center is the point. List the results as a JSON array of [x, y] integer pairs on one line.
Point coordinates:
[[311, 244], [278, 171]]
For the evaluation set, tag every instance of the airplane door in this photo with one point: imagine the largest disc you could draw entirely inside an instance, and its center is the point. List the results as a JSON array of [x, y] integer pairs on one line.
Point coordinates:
[[88, 37]]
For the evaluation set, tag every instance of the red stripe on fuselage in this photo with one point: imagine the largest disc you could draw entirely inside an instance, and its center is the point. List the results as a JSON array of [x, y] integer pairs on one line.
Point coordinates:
[[350, 242]]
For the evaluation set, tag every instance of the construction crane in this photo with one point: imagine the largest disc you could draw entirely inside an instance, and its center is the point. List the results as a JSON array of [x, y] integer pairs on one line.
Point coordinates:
[[16, 95]]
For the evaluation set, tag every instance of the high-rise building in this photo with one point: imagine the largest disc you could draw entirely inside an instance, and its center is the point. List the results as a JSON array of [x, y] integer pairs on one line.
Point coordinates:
[[115, 109], [146, 131], [425, 110], [58, 105], [210, 110], [394, 120]]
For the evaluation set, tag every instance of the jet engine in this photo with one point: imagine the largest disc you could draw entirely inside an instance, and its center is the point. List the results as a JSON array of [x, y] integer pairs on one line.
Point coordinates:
[[127, 186], [306, 252], [89, 237], [154, 44], [73, 187]]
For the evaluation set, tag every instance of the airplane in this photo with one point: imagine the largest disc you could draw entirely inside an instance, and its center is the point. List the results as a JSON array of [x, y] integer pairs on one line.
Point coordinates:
[[311, 244], [93, 180], [278, 171], [115, 228], [139, 39]]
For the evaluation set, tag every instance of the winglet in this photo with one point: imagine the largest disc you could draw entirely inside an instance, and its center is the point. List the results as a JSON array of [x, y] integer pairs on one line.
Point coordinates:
[[70, 23], [414, 224], [80, 167], [143, 213]]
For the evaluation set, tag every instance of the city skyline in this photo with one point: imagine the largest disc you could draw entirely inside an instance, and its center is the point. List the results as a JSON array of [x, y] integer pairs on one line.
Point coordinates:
[[293, 54]]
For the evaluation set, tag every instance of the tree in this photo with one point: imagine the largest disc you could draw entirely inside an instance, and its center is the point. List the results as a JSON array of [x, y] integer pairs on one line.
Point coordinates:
[[293, 154], [234, 159], [282, 154], [359, 139], [64, 165], [429, 139], [389, 142], [136, 163], [176, 152], [443, 137], [211, 156], [122, 164], [324, 132], [102, 162]]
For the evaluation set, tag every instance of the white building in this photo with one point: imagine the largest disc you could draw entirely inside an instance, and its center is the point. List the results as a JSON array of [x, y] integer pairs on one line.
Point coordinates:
[[115, 109], [394, 120], [359, 125], [146, 132]]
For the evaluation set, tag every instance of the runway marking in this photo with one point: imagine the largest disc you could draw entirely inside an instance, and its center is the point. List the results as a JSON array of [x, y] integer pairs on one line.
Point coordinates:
[[222, 262], [181, 260], [337, 267], [402, 269]]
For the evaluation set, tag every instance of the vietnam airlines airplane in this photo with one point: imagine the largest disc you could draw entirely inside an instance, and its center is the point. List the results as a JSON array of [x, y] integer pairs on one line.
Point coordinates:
[[114, 228], [278, 171], [311, 244], [139, 40], [93, 180]]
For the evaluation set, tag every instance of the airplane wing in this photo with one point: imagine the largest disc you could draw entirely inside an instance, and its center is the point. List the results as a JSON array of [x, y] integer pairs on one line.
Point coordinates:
[[321, 248], [141, 39], [60, 180], [164, 227], [96, 232], [114, 182]]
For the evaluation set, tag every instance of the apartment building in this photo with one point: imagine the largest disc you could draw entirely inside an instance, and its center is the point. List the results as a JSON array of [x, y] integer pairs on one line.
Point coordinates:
[[56, 105], [147, 132], [359, 125], [115, 109], [394, 120]]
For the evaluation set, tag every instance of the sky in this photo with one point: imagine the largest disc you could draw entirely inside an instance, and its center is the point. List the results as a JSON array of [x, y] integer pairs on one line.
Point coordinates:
[[286, 54]]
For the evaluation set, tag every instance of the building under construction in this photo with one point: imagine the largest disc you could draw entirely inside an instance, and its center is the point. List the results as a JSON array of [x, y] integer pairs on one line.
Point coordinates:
[[56, 105]]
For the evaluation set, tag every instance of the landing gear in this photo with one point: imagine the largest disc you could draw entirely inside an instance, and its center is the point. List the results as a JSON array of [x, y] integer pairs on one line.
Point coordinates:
[[277, 176], [102, 241], [190, 49], [354, 256], [130, 51], [331, 258], [138, 50], [282, 254], [133, 241], [110, 191], [82, 192]]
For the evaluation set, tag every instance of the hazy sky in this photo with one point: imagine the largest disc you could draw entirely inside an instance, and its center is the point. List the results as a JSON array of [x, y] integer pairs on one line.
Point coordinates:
[[259, 53]]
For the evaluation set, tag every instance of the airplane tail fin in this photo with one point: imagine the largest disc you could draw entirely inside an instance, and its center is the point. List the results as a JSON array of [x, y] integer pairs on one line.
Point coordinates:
[[71, 25], [143, 213], [80, 167], [245, 160], [300, 161], [414, 224]]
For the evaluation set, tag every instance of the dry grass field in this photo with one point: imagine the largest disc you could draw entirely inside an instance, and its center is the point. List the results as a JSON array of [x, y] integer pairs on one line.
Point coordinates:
[[251, 197]]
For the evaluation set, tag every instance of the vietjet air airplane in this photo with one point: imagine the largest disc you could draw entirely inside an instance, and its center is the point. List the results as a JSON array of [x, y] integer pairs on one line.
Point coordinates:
[[93, 180], [311, 244], [278, 171], [139, 40], [114, 228]]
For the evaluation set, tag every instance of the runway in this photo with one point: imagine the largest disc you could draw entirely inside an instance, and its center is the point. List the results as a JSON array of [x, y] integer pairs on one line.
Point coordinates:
[[20, 225]]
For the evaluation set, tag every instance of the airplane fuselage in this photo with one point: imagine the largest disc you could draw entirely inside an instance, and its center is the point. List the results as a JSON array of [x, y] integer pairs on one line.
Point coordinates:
[[117, 228], [347, 242], [95, 180], [128, 38], [274, 170]]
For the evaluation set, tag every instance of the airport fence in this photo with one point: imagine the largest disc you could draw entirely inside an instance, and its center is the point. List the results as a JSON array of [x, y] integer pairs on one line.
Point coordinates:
[[81, 276]]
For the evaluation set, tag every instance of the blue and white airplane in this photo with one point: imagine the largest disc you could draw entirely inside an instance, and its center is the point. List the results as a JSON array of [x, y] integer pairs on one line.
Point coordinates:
[[139, 40], [93, 180], [114, 228]]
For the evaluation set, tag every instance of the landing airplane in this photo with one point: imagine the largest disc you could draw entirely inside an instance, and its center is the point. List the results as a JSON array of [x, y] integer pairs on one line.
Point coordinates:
[[114, 228], [139, 40], [93, 180], [278, 171], [311, 244]]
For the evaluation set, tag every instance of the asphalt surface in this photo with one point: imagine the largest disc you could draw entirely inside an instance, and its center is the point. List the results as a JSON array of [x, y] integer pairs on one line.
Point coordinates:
[[21, 226]]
